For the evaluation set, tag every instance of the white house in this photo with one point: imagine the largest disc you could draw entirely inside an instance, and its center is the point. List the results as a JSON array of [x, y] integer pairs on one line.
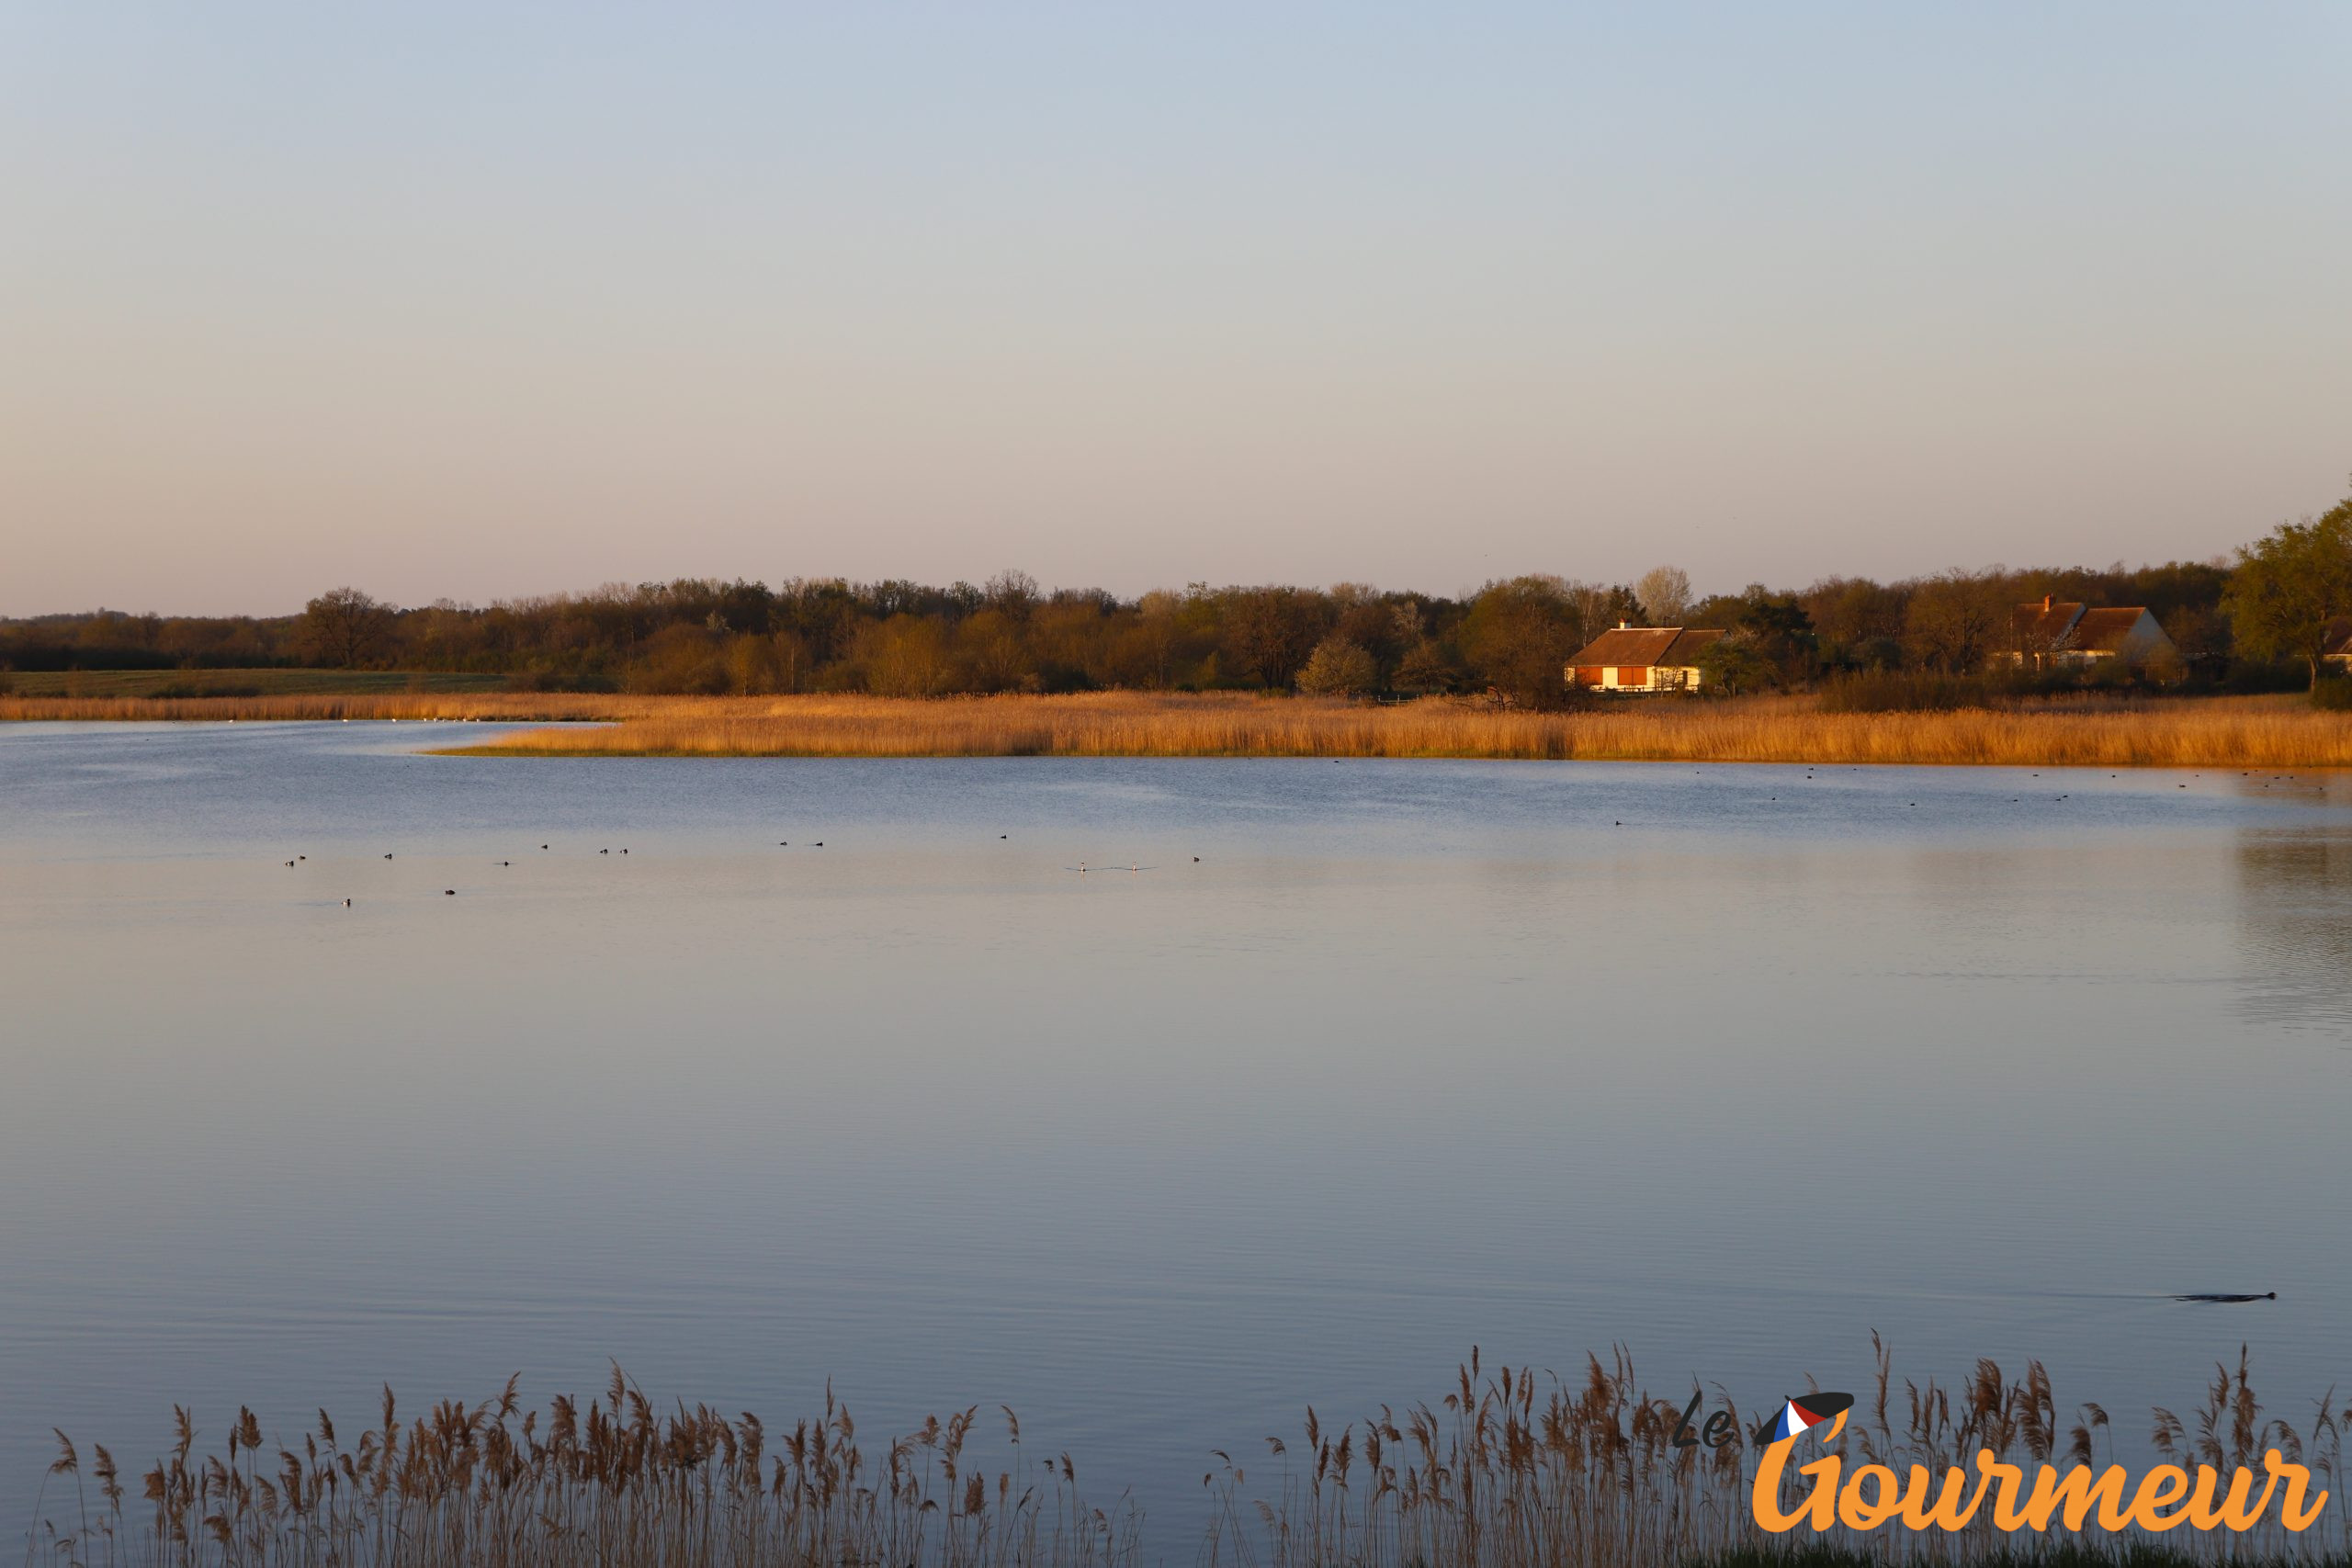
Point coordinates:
[[2054, 635], [1642, 659]]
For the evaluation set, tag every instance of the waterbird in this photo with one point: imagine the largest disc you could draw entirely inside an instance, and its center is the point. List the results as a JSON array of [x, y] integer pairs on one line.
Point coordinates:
[[1196, 860], [543, 846], [506, 862], [346, 903], [450, 891], [301, 857], [289, 862], [387, 857]]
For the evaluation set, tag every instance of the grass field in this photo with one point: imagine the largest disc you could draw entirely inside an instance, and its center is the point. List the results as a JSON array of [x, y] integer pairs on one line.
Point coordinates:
[[2243, 732]]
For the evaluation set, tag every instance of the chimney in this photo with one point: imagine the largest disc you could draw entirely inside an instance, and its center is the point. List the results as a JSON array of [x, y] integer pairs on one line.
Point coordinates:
[[1623, 625]]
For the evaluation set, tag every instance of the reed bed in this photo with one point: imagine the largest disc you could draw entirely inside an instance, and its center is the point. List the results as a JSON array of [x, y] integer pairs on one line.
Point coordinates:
[[1507, 1471], [1511, 1470], [2219, 732], [2216, 732], [611, 1484]]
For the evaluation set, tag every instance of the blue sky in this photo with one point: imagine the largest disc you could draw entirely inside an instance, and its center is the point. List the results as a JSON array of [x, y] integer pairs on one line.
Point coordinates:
[[492, 298]]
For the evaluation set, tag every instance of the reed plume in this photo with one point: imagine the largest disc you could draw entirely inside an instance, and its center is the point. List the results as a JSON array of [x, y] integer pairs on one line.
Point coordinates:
[[1510, 1469]]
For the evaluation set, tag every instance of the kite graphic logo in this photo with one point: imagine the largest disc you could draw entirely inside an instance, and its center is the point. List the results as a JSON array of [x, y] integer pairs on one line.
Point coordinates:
[[1808, 1411]]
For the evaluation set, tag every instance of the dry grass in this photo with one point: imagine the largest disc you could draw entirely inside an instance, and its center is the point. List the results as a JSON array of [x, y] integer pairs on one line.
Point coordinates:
[[1504, 1471], [2245, 732], [2219, 732]]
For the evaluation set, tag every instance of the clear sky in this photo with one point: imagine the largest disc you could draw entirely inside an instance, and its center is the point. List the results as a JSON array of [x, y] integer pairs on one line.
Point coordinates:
[[494, 298]]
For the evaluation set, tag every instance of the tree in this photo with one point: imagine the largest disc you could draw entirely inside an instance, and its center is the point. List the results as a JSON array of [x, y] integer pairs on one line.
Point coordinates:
[[344, 627], [905, 656], [1272, 630], [2289, 587], [1665, 594], [1780, 633], [1730, 666], [1956, 619], [1519, 637], [1424, 669], [1011, 593], [1338, 669]]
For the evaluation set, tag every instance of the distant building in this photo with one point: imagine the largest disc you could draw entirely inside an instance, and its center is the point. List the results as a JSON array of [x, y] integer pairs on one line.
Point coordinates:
[[2337, 648], [2054, 635], [1642, 659]]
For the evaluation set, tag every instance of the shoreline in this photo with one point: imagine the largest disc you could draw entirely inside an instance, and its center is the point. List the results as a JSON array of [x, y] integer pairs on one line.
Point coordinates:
[[2278, 732]]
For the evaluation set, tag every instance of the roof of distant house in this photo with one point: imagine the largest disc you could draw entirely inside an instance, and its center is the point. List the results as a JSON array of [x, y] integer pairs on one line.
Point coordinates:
[[2104, 631], [1674, 646], [2065, 625], [2042, 625], [2340, 638]]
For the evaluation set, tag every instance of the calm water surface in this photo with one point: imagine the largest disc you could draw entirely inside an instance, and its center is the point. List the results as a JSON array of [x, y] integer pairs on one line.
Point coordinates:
[[1731, 1065]]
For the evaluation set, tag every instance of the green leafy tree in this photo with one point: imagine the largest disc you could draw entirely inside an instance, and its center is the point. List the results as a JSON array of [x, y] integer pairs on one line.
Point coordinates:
[[1732, 666], [1781, 634], [2289, 587]]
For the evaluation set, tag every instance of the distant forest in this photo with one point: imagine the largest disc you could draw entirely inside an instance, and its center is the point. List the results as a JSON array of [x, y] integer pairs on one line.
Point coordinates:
[[899, 638]]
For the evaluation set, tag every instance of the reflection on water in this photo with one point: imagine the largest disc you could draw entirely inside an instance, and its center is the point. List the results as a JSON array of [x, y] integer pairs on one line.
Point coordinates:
[[1733, 1064], [2295, 914]]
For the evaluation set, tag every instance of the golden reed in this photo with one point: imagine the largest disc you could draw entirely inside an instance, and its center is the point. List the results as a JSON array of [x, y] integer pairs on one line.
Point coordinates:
[[2217, 732], [1505, 1469]]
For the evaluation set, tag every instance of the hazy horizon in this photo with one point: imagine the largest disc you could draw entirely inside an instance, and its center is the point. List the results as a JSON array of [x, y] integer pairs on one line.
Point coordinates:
[[494, 300]]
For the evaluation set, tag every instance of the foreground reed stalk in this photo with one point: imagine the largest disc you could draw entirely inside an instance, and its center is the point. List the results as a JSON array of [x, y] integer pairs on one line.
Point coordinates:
[[605, 1482], [1504, 1472]]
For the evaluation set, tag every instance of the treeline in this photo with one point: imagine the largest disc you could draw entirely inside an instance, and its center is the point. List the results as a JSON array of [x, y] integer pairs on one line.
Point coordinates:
[[1511, 638], [898, 638]]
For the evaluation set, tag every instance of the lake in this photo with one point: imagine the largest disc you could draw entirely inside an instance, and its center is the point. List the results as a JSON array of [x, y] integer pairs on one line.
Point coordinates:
[[1731, 1064]]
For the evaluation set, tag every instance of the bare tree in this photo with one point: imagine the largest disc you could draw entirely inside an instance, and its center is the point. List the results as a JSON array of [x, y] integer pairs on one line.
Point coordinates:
[[1956, 618], [1273, 630], [1665, 594], [345, 628], [1011, 593]]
